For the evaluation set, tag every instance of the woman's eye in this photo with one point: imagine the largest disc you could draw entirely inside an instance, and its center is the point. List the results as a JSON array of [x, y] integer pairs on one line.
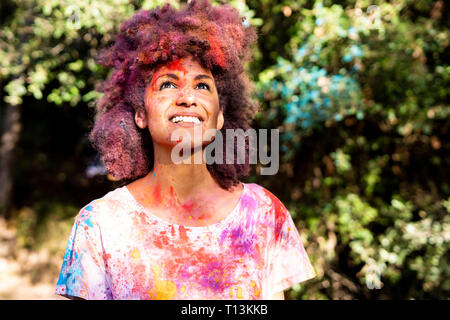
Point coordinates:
[[203, 85], [167, 84]]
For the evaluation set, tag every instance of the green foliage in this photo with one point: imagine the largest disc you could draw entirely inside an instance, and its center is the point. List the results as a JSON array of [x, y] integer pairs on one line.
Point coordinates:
[[361, 97], [44, 224], [52, 44]]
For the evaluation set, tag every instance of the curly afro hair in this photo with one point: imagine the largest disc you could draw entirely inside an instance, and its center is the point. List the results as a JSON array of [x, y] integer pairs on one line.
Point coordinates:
[[216, 37]]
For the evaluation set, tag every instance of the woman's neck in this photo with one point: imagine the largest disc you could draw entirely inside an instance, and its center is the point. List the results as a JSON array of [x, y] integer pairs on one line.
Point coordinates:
[[187, 179], [185, 194], [177, 187]]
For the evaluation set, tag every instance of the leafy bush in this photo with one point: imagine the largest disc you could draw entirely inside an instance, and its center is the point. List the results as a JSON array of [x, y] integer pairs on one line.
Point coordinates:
[[361, 98]]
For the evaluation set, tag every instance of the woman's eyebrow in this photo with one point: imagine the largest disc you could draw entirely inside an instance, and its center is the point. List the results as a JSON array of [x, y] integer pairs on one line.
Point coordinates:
[[202, 76], [174, 76], [170, 75]]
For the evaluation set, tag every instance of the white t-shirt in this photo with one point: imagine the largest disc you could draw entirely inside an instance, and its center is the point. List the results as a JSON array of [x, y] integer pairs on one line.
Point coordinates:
[[118, 250]]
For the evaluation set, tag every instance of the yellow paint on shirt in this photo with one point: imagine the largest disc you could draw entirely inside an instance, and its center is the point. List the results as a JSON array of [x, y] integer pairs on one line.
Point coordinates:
[[164, 289], [231, 292], [239, 293], [135, 254], [182, 289], [256, 290]]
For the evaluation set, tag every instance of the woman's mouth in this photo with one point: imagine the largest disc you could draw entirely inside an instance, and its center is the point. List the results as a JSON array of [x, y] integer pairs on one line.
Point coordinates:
[[186, 119]]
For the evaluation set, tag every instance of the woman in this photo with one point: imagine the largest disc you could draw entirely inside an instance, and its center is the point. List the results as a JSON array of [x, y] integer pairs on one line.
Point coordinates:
[[179, 230]]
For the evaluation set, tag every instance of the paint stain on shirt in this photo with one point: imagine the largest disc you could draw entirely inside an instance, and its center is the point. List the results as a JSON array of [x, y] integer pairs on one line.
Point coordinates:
[[118, 250]]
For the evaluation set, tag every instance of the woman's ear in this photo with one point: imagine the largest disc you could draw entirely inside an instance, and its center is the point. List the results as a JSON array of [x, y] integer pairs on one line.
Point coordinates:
[[140, 117], [220, 120]]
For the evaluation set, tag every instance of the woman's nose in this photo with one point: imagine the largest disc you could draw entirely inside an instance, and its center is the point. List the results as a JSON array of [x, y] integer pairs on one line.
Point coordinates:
[[186, 98]]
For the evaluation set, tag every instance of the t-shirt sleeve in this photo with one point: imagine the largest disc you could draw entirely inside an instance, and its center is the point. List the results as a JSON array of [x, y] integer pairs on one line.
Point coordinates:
[[289, 262], [83, 270]]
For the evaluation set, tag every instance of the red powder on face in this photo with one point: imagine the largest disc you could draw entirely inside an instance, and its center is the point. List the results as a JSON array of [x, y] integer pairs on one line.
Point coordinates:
[[176, 65], [153, 86]]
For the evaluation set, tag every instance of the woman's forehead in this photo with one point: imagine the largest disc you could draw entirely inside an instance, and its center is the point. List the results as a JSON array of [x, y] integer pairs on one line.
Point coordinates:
[[182, 66]]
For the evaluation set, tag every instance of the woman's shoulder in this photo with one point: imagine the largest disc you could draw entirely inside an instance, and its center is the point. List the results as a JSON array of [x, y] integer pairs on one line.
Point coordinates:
[[264, 198], [268, 208], [104, 207]]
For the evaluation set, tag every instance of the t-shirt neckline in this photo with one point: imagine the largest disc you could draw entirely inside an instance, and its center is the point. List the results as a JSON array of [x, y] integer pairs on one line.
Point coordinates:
[[220, 224]]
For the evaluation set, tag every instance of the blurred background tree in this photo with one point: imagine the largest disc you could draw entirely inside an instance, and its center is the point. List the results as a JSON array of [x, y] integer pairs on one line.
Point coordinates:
[[358, 89]]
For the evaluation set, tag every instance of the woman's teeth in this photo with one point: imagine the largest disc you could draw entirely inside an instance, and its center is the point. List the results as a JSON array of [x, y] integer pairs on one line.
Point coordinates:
[[186, 119]]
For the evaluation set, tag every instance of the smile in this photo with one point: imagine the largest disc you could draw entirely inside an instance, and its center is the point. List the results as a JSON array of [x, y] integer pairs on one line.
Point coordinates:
[[186, 119]]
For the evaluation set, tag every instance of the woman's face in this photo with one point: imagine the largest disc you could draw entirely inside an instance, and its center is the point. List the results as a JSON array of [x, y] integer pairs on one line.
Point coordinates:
[[182, 95]]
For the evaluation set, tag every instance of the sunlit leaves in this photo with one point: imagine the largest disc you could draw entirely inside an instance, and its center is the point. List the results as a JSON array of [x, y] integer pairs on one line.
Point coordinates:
[[45, 39]]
